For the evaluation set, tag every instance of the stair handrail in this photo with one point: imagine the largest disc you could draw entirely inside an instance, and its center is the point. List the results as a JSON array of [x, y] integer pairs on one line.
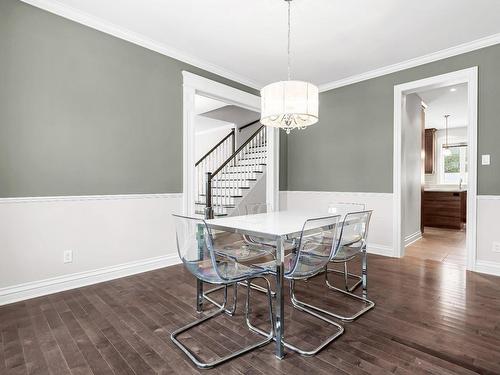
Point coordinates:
[[233, 156], [231, 134], [211, 175]]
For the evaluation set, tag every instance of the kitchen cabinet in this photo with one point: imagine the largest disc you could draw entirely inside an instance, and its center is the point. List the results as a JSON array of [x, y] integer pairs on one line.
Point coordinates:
[[429, 148], [444, 209]]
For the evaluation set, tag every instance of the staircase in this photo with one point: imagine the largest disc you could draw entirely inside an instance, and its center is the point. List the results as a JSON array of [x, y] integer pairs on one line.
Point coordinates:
[[222, 187]]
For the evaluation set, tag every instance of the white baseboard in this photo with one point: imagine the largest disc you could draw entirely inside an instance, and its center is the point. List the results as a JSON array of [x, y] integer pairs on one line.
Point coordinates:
[[413, 238], [377, 249], [484, 266], [58, 284]]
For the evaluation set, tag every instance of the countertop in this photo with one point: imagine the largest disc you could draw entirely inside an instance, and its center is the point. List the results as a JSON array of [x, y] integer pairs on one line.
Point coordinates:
[[445, 189]]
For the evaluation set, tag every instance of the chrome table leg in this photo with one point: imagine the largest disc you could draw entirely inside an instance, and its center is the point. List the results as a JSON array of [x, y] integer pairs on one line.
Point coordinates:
[[280, 298]]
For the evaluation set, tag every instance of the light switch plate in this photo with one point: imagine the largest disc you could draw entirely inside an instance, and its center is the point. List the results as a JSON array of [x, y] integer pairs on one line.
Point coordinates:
[[485, 159], [68, 256], [496, 247]]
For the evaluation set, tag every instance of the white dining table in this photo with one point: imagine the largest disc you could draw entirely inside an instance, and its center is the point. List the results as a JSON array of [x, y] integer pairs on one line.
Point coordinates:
[[275, 226]]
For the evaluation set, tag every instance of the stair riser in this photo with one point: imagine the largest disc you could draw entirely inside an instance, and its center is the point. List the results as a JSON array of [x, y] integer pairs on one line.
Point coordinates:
[[231, 184], [257, 149], [223, 200], [251, 162], [258, 168], [239, 176]]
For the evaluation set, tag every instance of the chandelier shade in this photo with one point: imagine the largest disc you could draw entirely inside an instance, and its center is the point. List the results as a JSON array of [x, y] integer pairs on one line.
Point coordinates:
[[289, 105]]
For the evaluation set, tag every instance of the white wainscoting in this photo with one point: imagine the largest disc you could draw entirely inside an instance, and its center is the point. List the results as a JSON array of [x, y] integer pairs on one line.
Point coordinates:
[[111, 236], [488, 231], [380, 238]]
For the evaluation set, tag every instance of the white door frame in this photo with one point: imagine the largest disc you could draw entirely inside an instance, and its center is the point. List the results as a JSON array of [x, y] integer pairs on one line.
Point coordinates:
[[194, 84], [469, 76]]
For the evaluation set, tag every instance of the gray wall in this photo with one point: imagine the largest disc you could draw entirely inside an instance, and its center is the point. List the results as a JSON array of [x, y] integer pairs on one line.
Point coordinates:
[[351, 147], [82, 112]]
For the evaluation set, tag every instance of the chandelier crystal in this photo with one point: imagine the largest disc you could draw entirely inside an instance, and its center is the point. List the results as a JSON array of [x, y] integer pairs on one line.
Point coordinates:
[[289, 104]]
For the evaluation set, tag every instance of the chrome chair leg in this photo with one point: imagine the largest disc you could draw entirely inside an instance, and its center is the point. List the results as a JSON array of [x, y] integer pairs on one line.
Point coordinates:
[[305, 310], [369, 304], [347, 275], [269, 335], [205, 365], [229, 312], [258, 288]]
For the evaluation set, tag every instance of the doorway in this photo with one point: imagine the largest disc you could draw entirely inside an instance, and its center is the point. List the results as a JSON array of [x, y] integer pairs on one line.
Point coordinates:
[[452, 183], [232, 99]]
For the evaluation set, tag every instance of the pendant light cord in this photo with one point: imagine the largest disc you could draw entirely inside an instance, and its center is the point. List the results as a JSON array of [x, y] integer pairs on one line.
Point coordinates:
[[446, 117], [289, 32]]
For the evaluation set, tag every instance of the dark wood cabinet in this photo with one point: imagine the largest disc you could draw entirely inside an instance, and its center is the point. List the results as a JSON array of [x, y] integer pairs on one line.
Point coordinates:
[[444, 209], [429, 148]]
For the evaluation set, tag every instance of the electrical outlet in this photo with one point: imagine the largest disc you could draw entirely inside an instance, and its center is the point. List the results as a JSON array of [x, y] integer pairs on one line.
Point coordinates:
[[485, 160], [68, 256], [496, 247]]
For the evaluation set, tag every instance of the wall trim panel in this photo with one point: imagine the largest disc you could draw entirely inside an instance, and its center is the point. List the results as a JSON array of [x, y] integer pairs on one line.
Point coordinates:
[[58, 284], [379, 239]]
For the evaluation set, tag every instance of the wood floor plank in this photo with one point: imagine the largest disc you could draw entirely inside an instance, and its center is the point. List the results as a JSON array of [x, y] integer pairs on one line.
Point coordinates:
[[90, 351], [431, 318], [35, 361], [13, 351]]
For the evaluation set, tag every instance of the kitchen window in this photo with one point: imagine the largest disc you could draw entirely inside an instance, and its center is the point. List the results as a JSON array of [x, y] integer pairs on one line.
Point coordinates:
[[455, 166]]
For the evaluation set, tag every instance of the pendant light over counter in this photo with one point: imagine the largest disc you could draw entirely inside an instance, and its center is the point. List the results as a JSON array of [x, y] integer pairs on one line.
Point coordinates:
[[446, 145], [289, 104]]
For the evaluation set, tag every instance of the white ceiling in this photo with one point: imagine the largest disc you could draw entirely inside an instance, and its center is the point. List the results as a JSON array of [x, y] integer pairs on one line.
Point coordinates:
[[444, 101], [331, 39]]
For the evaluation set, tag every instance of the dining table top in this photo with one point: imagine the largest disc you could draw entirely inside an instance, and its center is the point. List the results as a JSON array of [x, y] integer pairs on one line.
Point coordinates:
[[274, 224]]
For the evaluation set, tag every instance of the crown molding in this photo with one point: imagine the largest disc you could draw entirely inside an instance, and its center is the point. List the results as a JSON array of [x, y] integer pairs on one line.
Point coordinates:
[[425, 59], [63, 10]]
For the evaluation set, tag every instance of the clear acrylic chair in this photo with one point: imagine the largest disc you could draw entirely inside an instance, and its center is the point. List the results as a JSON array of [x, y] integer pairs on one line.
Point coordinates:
[[355, 225], [257, 208], [243, 249], [196, 250], [316, 246], [343, 208], [261, 208]]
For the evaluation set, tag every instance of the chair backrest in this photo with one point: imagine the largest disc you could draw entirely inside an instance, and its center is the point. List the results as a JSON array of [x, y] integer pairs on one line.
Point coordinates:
[[343, 208], [316, 246], [257, 208], [194, 245], [354, 232]]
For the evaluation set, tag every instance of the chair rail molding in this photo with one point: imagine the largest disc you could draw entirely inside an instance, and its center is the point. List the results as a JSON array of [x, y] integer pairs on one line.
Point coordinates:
[[75, 198]]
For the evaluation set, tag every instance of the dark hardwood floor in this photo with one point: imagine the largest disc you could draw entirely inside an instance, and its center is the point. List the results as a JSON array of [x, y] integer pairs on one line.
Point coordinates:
[[430, 318]]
